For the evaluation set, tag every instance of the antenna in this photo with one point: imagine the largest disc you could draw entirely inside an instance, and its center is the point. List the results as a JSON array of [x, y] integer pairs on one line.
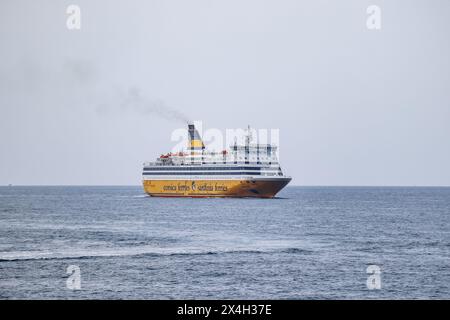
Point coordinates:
[[249, 137]]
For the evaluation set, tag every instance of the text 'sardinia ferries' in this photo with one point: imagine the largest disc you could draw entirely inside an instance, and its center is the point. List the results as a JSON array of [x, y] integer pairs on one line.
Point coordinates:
[[248, 170]]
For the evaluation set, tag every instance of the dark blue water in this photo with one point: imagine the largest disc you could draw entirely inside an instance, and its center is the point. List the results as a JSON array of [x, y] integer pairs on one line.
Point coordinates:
[[312, 243]]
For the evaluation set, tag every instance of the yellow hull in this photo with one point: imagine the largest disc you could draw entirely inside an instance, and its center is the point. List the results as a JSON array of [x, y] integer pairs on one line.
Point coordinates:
[[215, 188]]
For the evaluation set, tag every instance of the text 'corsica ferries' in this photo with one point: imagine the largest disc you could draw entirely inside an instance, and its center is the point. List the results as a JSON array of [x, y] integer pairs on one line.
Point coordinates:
[[248, 170]]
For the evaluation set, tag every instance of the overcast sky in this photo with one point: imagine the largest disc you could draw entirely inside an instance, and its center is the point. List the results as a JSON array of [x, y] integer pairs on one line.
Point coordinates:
[[354, 106]]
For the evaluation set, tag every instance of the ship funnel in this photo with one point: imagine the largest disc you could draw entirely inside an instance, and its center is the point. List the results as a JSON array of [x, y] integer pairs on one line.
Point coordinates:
[[195, 141]]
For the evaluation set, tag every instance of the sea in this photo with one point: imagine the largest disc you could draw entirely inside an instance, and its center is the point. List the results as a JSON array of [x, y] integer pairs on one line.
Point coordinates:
[[308, 243]]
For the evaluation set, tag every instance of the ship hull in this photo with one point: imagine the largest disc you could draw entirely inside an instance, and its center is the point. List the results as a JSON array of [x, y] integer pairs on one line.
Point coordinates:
[[243, 188]]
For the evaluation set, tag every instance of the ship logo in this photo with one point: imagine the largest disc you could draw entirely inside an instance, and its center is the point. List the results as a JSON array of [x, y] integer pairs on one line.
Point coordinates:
[[193, 187]]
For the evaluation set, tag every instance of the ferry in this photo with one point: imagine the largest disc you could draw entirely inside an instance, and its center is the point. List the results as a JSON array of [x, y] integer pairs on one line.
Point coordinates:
[[246, 170]]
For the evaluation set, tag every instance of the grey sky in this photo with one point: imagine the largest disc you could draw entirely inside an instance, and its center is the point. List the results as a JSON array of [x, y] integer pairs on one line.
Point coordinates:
[[354, 106]]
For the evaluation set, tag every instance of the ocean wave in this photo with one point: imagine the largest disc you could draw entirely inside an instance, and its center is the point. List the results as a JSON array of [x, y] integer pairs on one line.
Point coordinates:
[[297, 250], [140, 251]]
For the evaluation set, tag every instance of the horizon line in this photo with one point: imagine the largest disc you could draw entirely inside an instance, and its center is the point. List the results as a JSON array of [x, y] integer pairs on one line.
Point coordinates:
[[294, 185]]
